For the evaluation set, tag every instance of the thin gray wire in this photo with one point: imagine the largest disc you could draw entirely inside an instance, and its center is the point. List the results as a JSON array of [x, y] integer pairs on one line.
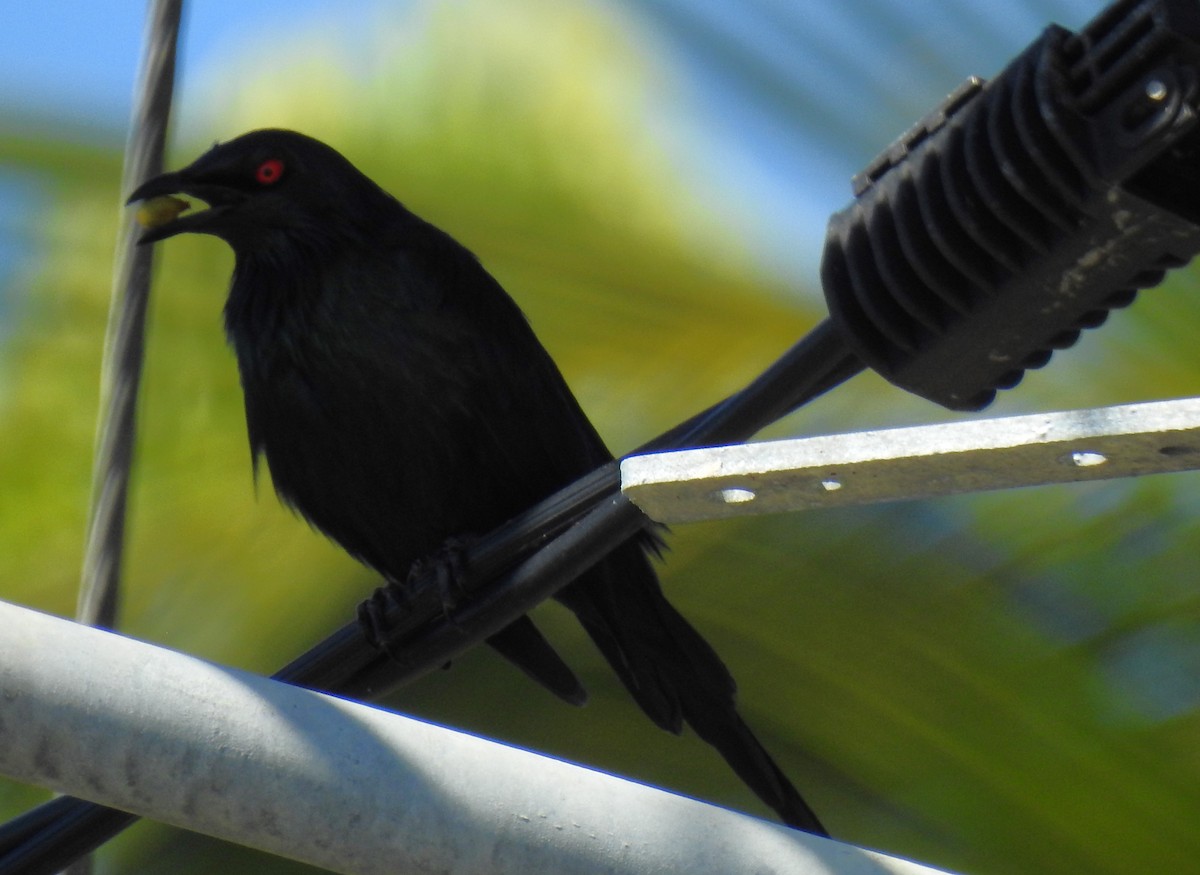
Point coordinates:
[[124, 340], [124, 343]]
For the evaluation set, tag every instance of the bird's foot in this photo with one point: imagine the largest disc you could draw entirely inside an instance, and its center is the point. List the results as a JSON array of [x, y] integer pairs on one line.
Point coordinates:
[[372, 615], [449, 568]]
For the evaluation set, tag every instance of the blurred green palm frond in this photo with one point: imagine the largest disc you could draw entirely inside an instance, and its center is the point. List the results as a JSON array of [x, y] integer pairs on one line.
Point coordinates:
[[998, 683]]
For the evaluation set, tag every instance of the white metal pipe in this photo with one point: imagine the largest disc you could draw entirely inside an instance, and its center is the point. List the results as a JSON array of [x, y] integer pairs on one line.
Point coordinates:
[[342, 785]]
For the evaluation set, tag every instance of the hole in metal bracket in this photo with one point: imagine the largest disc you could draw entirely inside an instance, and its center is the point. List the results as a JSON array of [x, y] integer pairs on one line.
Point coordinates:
[[735, 495]]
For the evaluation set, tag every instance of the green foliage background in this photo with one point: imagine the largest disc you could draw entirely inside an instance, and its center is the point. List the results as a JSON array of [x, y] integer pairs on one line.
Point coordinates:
[[1001, 683]]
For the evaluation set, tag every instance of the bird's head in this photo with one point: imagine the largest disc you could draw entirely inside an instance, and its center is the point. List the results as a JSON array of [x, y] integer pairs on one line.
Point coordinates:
[[258, 186]]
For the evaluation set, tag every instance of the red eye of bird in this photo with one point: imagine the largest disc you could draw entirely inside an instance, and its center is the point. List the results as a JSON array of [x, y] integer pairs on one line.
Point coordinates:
[[269, 172]]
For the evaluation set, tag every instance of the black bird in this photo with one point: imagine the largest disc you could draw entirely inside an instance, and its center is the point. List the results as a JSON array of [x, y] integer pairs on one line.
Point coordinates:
[[401, 399]]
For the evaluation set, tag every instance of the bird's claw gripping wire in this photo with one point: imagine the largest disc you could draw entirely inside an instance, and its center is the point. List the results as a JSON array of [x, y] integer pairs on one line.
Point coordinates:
[[448, 567], [372, 613]]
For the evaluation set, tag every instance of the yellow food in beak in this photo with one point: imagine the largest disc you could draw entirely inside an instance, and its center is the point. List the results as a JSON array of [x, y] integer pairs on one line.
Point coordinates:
[[159, 210]]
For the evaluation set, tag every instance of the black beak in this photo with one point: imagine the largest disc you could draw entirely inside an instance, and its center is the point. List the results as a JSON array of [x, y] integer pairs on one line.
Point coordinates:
[[163, 216], [159, 186]]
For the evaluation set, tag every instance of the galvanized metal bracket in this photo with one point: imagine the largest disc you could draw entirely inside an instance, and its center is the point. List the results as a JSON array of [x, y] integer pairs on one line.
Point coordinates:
[[918, 462]]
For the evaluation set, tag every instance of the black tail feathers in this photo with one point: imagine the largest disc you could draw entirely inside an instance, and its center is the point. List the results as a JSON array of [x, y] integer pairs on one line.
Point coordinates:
[[675, 675]]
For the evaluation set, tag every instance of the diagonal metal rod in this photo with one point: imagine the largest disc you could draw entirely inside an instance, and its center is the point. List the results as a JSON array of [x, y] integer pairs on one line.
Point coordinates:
[[346, 787]]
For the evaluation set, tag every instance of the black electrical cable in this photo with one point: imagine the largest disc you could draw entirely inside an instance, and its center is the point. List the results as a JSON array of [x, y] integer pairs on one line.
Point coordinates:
[[596, 519]]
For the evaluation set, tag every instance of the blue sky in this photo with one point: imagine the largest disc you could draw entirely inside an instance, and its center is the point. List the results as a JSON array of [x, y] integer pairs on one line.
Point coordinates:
[[866, 71], [78, 60]]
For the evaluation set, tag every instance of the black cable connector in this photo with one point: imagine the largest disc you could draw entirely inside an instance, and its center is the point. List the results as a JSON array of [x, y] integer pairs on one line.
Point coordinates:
[[1022, 210]]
